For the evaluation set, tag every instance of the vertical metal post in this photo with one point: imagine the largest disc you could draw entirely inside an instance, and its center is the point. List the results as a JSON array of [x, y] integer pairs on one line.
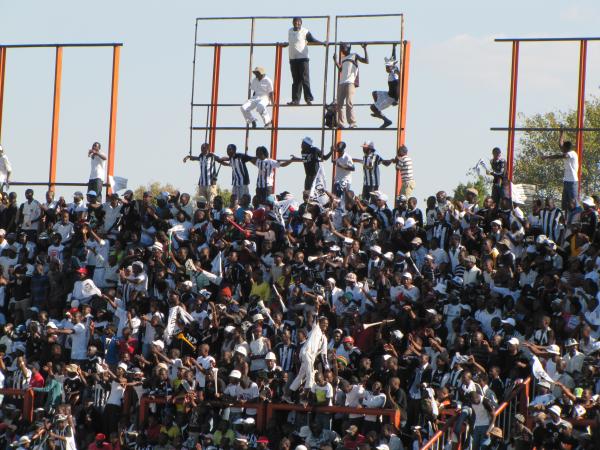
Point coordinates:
[[112, 131], [250, 63], [214, 99], [337, 133], [193, 89], [325, 76], [402, 105], [2, 75], [276, 97], [512, 112], [55, 117], [581, 105]]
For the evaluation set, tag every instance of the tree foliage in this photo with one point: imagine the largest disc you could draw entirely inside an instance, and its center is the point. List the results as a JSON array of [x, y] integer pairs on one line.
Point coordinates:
[[547, 176], [480, 183], [155, 187]]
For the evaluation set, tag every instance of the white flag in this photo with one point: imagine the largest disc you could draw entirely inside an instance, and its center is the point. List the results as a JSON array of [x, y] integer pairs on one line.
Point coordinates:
[[117, 183], [318, 188], [217, 265]]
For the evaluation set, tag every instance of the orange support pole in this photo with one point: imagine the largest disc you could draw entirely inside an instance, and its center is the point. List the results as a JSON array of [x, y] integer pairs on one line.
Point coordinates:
[[581, 105], [214, 98], [2, 74], [113, 114], [512, 113], [55, 116], [276, 97], [402, 106]]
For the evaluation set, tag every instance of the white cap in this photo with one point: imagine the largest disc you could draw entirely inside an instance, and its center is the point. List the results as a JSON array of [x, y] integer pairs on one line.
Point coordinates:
[[368, 144], [409, 223], [122, 366], [307, 140], [270, 357], [257, 317], [555, 409], [235, 374], [375, 249], [553, 349], [51, 325], [513, 341], [383, 197], [589, 201], [158, 343], [509, 321], [407, 275], [399, 220], [417, 241], [241, 349], [229, 329], [187, 283]]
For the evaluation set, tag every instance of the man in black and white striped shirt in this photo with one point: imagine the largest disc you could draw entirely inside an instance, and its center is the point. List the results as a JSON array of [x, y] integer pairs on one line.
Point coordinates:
[[207, 183], [371, 161], [240, 179], [551, 218], [285, 351], [266, 172]]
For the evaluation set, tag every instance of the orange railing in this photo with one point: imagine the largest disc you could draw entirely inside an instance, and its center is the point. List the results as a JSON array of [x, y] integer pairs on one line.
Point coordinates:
[[445, 434], [28, 400]]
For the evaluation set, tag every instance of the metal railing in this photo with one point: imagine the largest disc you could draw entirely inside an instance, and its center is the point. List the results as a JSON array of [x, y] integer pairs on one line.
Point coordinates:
[[28, 400]]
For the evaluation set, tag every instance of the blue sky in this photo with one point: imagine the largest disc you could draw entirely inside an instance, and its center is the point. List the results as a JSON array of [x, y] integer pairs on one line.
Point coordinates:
[[458, 80]]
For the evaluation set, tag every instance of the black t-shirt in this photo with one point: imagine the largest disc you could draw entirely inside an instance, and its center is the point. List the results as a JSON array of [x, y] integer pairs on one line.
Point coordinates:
[[72, 386], [310, 158]]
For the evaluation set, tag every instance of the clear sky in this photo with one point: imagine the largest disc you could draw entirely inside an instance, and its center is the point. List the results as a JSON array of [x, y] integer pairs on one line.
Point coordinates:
[[458, 80]]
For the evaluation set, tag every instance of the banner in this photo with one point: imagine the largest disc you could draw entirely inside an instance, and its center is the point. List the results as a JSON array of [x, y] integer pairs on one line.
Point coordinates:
[[523, 194], [217, 265], [318, 188], [117, 183]]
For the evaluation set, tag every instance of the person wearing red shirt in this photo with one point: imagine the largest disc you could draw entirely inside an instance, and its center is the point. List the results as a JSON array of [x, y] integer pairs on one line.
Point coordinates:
[[37, 380], [353, 439], [100, 443]]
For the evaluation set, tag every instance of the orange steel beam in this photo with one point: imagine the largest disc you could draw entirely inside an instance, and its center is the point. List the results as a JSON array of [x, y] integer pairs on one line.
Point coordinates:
[[112, 130], [55, 117], [581, 105], [512, 112], [402, 106], [276, 97], [2, 74], [214, 97]]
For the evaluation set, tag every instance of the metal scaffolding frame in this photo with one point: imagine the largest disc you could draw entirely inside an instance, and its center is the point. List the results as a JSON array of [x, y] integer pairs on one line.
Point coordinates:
[[116, 46], [512, 113], [211, 126]]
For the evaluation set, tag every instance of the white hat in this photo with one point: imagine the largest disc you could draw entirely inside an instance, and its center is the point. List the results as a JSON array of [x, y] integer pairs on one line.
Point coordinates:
[[122, 366], [187, 283], [409, 223], [350, 276], [570, 342], [259, 69], [270, 357], [513, 341], [2, 232], [382, 446], [158, 343], [509, 321], [589, 201], [241, 349], [368, 144], [407, 275], [553, 349], [541, 239], [89, 289], [157, 246], [399, 220], [555, 409], [204, 293], [228, 211], [398, 334], [24, 440], [257, 317], [383, 197], [417, 241], [307, 216], [51, 325], [235, 374], [497, 222], [375, 249], [307, 140], [229, 329], [431, 311]]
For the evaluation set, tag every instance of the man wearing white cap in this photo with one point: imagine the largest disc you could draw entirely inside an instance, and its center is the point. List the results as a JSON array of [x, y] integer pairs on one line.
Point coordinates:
[[589, 217], [262, 88], [370, 161], [311, 158], [385, 99], [5, 170], [98, 169]]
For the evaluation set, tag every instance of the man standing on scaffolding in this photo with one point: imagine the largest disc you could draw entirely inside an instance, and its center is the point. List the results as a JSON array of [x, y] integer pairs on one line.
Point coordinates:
[[262, 87], [298, 40], [348, 82]]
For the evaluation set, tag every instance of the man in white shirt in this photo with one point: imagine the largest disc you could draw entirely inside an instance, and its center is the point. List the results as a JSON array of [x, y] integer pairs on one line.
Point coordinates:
[[262, 87], [30, 214], [571, 172], [348, 82], [344, 166], [298, 40], [98, 169], [6, 168]]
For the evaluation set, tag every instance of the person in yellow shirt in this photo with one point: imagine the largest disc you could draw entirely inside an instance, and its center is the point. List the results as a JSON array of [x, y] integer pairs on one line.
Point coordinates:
[[260, 287], [170, 428], [223, 432]]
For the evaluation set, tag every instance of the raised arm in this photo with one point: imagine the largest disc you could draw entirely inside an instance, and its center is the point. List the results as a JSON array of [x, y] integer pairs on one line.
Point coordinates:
[[363, 59]]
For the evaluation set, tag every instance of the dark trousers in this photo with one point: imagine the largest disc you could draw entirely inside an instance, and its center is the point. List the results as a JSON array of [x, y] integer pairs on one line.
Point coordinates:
[[95, 185], [308, 182], [366, 192], [263, 193], [300, 80]]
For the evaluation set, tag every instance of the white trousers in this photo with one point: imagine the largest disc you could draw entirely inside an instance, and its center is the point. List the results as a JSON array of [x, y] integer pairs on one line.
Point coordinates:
[[306, 372], [261, 105]]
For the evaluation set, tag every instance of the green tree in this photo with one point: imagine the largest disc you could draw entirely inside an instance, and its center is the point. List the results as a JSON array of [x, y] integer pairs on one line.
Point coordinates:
[[547, 176], [480, 183], [155, 188]]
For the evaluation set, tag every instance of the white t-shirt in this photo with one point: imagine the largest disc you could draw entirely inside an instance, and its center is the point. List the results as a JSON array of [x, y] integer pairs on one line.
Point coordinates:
[[298, 46], [5, 166], [571, 166], [354, 399], [323, 393], [79, 342], [349, 69], [261, 88], [65, 230], [343, 176], [373, 401], [206, 362], [116, 394], [98, 169]]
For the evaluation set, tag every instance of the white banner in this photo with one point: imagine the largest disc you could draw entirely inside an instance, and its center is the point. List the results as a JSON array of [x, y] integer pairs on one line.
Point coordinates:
[[318, 188], [217, 265], [117, 183], [523, 194]]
